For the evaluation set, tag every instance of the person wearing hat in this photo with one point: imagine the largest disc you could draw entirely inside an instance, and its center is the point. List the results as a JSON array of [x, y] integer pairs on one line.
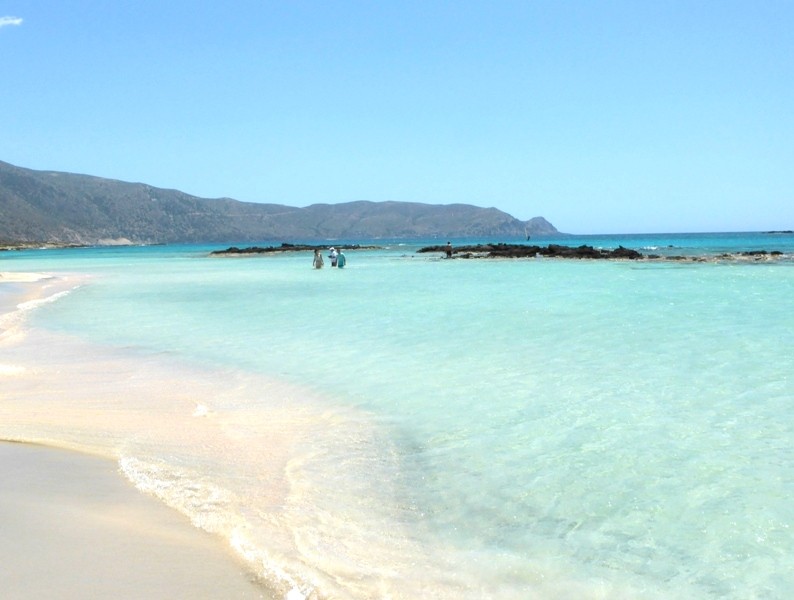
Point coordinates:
[[333, 256]]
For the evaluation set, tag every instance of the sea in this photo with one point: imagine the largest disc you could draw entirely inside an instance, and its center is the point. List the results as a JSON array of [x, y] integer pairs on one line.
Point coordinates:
[[415, 427]]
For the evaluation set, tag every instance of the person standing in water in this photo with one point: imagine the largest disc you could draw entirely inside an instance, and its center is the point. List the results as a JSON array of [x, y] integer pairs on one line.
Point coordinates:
[[341, 260], [448, 250], [317, 263], [333, 256]]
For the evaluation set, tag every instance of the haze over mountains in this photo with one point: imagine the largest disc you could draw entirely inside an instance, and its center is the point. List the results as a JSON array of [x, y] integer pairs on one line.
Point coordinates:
[[57, 207]]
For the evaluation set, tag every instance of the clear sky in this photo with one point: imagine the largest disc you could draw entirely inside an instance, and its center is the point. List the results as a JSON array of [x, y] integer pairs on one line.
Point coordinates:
[[602, 116]]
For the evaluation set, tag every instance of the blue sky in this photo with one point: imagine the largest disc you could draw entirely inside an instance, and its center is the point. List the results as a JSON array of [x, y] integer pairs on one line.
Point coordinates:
[[603, 117]]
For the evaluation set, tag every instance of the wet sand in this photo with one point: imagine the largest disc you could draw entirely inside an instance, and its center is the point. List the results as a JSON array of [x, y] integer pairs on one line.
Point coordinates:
[[73, 527], [71, 524]]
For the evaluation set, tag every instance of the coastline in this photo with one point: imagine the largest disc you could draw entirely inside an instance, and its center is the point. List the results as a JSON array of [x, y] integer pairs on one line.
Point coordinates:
[[75, 527]]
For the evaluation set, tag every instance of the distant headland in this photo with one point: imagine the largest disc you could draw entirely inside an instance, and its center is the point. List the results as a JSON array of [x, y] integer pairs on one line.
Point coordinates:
[[51, 207]]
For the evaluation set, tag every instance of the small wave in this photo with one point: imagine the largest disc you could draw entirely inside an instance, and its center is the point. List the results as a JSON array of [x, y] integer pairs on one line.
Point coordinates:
[[211, 508], [202, 502], [33, 304], [257, 556], [10, 320]]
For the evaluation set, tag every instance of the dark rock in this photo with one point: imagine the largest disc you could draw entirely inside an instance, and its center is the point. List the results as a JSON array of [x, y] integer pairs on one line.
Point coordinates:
[[501, 250], [285, 247], [622, 252]]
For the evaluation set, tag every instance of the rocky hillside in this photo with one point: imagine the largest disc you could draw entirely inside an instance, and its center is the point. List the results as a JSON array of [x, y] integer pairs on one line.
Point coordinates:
[[55, 207]]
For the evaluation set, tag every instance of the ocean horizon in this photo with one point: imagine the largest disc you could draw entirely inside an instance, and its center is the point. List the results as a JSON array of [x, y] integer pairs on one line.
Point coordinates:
[[411, 426]]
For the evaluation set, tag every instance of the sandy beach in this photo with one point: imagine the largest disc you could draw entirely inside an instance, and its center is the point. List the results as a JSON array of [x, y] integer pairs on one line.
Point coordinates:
[[11, 277], [74, 527]]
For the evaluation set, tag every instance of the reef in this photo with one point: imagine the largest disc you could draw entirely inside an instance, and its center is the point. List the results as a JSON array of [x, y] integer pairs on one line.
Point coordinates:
[[285, 247], [501, 250], [526, 251]]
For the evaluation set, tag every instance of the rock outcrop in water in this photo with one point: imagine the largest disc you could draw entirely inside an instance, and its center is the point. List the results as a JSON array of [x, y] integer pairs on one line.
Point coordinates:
[[527, 251], [501, 250], [588, 252], [285, 247]]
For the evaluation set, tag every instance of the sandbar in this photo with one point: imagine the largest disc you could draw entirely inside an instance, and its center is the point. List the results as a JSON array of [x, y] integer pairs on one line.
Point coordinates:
[[14, 277]]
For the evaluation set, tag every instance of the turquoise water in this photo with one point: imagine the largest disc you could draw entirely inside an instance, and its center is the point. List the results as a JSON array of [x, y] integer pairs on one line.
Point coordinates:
[[504, 429]]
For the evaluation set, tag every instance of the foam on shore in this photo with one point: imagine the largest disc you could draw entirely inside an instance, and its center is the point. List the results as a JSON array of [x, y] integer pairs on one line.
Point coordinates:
[[73, 528], [231, 451]]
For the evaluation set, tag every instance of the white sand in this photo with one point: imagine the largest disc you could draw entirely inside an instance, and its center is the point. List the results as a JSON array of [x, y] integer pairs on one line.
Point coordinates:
[[13, 277], [72, 528]]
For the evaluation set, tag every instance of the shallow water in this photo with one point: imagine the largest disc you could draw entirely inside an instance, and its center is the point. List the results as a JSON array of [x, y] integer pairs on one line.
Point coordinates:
[[410, 426]]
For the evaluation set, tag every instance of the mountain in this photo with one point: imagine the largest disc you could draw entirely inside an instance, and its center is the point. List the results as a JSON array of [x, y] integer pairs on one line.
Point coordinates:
[[56, 207]]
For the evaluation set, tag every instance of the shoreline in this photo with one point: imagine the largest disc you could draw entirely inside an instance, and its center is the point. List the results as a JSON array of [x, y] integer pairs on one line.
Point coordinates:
[[75, 528]]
